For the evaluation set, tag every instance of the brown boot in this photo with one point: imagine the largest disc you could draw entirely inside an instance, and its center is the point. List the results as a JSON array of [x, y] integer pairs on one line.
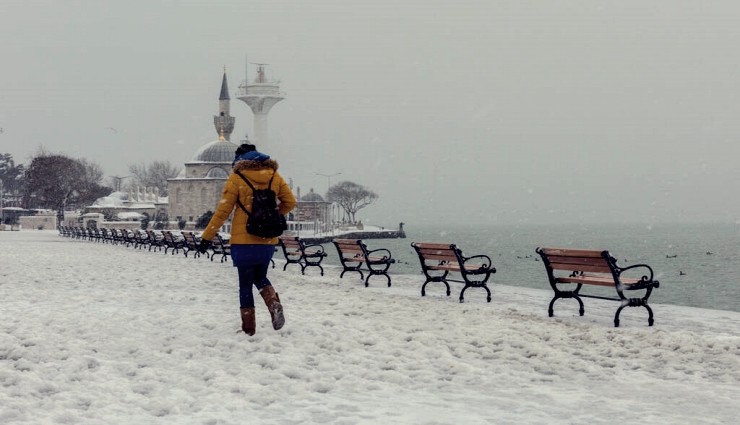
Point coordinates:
[[272, 301], [248, 323]]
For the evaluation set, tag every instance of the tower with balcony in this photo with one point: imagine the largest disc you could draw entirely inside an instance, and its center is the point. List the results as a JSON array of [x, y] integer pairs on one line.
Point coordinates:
[[261, 95]]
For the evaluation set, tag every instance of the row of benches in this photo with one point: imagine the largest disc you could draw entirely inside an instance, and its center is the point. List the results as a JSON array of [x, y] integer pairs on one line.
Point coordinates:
[[563, 266], [153, 240]]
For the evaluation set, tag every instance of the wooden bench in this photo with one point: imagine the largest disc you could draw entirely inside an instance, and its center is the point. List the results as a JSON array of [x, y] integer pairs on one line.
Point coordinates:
[[221, 247], [118, 236], [594, 267], [114, 236], [80, 233], [94, 234], [141, 237], [191, 243], [170, 242], [439, 259], [130, 237], [353, 253], [154, 241], [296, 251], [107, 237]]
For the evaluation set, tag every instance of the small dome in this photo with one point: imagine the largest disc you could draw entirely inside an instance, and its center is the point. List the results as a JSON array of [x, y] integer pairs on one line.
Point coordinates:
[[312, 197], [217, 173], [119, 195], [108, 202], [218, 151]]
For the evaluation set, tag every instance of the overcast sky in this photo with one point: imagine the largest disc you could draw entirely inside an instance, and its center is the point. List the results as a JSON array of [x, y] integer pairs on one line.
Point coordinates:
[[461, 110]]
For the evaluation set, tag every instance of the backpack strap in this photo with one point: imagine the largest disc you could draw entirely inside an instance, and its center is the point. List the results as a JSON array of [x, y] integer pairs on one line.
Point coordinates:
[[238, 201]]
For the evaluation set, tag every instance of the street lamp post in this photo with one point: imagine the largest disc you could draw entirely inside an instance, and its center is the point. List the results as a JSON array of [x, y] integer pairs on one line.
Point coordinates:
[[328, 179], [328, 186], [118, 180], [2, 204]]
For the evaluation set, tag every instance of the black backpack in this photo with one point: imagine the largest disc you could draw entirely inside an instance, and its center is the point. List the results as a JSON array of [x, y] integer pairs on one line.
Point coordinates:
[[265, 220]]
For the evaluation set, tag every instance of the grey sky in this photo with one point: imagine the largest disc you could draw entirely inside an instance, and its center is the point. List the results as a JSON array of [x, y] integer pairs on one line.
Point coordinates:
[[479, 111]]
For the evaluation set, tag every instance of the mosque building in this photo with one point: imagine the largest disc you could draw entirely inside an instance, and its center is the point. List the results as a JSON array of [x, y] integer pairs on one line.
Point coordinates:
[[198, 187]]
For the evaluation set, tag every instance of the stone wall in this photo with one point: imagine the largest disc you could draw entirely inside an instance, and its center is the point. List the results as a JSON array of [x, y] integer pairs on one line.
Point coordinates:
[[38, 222]]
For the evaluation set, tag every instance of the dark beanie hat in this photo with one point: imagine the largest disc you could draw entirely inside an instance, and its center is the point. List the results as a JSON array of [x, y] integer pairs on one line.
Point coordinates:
[[244, 148]]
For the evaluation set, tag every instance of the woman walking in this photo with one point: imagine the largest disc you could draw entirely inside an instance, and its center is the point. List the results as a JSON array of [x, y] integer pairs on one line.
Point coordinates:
[[251, 254]]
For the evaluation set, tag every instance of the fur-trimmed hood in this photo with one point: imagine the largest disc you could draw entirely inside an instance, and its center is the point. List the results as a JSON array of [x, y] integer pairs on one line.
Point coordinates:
[[256, 171], [256, 165]]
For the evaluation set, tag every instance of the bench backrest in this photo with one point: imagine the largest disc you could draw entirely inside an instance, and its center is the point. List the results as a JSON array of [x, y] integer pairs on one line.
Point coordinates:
[[223, 246], [291, 242], [350, 248], [582, 260], [190, 239], [438, 252]]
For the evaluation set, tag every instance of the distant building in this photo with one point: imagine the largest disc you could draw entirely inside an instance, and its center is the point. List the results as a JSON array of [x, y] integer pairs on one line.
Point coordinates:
[[197, 189], [133, 205]]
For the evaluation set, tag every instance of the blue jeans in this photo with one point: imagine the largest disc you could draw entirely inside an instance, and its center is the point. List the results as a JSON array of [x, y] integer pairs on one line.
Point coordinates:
[[252, 262]]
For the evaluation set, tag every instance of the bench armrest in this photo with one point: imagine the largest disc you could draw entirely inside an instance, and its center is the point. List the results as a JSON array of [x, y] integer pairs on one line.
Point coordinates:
[[382, 252], [319, 248], [645, 279], [486, 261]]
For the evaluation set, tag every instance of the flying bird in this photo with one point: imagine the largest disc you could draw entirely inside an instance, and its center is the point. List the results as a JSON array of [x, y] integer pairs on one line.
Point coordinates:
[[112, 129]]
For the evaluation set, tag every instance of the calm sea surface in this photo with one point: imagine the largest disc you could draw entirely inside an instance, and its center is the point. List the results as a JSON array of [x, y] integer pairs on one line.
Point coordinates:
[[708, 255]]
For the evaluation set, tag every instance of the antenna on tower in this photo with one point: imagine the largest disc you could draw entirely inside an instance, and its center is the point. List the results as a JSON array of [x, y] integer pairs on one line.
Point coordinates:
[[260, 72]]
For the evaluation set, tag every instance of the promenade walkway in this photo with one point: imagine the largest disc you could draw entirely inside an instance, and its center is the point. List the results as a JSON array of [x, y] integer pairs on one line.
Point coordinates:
[[93, 333]]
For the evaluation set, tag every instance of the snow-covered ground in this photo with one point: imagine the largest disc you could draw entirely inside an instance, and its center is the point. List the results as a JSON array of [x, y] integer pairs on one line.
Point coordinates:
[[99, 334]]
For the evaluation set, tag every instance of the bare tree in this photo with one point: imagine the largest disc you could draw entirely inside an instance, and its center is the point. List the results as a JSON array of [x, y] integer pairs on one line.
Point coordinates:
[[351, 197], [57, 181], [154, 174]]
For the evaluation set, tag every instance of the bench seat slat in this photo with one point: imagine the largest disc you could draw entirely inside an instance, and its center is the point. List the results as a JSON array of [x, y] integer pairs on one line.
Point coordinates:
[[577, 260], [566, 252], [452, 267], [581, 267], [425, 245], [596, 280], [435, 257]]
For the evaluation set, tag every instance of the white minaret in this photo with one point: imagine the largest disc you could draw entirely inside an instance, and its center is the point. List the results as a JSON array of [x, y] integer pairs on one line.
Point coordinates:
[[261, 95]]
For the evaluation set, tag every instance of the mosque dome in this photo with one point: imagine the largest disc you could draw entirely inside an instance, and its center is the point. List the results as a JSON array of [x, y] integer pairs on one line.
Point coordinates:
[[115, 199], [217, 151], [312, 197]]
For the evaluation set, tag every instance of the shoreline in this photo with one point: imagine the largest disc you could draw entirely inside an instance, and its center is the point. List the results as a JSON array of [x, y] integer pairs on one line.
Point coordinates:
[[356, 234]]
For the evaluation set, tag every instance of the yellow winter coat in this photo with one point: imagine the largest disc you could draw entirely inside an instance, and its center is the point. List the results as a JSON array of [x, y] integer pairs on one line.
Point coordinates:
[[259, 174]]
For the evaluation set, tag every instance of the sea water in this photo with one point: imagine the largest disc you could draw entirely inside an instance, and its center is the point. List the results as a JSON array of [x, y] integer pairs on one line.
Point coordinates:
[[697, 264]]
